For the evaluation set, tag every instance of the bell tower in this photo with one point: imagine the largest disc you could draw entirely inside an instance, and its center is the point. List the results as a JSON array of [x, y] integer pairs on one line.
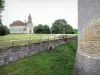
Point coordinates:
[[29, 19], [30, 24]]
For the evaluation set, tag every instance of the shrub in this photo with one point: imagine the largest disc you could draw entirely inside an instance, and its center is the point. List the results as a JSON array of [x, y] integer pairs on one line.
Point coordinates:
[[4, 30]]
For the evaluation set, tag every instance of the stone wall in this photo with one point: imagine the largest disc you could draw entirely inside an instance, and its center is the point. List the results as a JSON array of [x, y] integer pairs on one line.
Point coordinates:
[[10, 54], [88, 53], [86, 65]]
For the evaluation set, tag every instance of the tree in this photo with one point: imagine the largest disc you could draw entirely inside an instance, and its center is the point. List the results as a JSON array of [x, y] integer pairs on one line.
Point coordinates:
[[75, 31], [60, 26], [46, 29], [38, 29], [1, 9], [1, 5], [69, 29], [4, 30], [35, 29], [42, 29]]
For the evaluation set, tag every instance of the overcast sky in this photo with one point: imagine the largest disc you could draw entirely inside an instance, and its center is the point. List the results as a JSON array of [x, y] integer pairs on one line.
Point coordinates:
[[42, 11]]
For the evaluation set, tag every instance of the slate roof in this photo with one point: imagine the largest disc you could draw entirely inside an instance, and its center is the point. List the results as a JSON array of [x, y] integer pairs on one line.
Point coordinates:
[[18, 23]]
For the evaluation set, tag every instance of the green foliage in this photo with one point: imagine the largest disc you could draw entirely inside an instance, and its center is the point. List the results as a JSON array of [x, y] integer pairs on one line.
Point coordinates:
[[35, 29], [1, 5], [1, 9], [38, 29], [75, 31], [4, 30], [73, 46], [60, 26], [46, 29], [57, 62], [69, 29], [42, 29]]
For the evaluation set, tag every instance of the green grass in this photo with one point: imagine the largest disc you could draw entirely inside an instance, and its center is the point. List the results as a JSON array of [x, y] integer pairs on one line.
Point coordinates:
[[22, 39], [57, 62], [22, 36]]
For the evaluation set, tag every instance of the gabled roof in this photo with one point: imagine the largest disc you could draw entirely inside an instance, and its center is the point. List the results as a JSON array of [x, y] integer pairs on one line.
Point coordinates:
[[18, 23]]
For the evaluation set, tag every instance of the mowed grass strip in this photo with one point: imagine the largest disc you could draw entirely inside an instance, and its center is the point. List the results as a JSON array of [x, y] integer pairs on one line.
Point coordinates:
[[22, 36], [22, 39], [57, 62]]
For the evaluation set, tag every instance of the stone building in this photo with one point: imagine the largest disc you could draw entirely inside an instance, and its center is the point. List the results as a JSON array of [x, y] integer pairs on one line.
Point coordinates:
[[22, 27]]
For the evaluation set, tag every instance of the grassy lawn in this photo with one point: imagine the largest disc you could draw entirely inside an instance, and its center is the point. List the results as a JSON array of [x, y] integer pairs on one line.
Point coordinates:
[[57, 62], [22, 36], [21, 39]]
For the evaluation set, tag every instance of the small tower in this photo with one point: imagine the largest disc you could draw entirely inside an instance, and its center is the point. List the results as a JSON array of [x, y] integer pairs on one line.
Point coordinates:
[[30, 24], [29, 19]]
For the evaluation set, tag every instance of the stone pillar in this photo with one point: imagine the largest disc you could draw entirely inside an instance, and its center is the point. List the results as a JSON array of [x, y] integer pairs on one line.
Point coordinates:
[[88, 53]]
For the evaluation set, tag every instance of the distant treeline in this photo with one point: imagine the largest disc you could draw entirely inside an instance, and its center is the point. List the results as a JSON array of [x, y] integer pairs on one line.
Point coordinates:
[[59, 26]]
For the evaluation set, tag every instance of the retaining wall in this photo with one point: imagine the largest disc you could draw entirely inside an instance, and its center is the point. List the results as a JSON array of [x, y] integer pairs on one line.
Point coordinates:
[[10, 54]]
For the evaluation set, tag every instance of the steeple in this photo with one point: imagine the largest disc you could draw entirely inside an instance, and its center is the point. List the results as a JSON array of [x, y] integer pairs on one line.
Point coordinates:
[[29, 19], [30, 24]]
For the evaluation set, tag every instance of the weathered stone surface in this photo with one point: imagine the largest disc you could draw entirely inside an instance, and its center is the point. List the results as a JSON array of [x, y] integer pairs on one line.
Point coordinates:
[[88, 53], [86, 65]]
